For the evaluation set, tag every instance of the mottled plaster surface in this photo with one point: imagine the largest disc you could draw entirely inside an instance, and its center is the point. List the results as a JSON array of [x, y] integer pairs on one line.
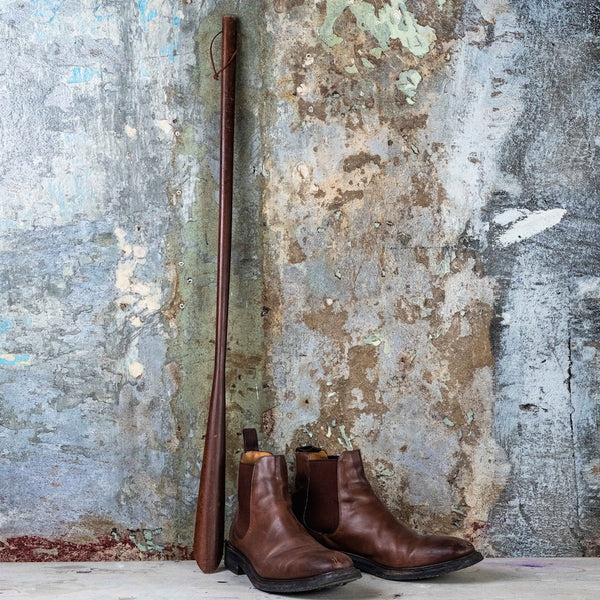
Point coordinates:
[[414, 267], [109, 198], [425, 204]]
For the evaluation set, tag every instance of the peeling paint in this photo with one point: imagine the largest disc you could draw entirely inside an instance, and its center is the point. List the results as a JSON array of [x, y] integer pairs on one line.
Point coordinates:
[[130, 131], [83, 74], [400, 238], [106, 366], [393, 21], [387, 162], [116, 545], [15, 359], [367, 63], [470, 416], [344, 439], [376, 340], [408, 81]]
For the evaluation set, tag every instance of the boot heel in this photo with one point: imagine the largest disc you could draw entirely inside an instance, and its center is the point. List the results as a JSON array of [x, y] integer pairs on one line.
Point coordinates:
[[232, 561]]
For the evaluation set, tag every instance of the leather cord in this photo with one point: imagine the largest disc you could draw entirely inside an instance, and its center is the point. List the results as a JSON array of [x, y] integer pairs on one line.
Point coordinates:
[[212, 60]]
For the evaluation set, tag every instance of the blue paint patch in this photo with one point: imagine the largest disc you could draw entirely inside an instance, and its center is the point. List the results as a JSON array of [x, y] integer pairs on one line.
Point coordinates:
[[78, 141], [170, 50], [101, 17], [83, 74], [176, 19], [5, 324], [7, 224], [69, 193], [143, 69], [27, 321], [46, 9], [79, 144], [14, 359], [146, 15]]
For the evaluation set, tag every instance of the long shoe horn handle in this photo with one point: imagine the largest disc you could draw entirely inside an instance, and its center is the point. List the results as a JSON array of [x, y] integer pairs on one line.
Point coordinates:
[[208, 533]]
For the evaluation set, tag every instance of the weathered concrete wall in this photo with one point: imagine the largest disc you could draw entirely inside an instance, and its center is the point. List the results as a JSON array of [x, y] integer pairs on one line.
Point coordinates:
[[109, 204], [431, 210], [414, 263]]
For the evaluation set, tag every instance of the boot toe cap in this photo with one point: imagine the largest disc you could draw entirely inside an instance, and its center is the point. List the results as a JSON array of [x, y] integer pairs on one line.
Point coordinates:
[[341, 560], [438, 549], [328, 560], [310, 561]]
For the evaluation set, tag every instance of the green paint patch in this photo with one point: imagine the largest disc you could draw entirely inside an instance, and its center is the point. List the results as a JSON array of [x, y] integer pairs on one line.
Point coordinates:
[[392, 22], [407, 83], [385, 473], [351, 69], [373, 339], [148, 544], [333, 424], [345, 440], [307, 432], [448, 422], [334, 10], [367, 63], [376, 340], [443, 267]]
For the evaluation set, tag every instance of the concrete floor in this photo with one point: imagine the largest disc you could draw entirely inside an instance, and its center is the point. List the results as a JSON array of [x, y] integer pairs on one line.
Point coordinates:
[[493, 579]]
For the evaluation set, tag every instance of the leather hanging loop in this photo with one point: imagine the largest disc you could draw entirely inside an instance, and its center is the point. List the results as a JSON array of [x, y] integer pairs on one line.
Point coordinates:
[[212, 60]]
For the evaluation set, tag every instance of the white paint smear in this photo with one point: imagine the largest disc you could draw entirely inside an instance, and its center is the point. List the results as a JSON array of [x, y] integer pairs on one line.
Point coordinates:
[[136, 321], [531, 225], [588, 287], [140, 251], [136, 369], [144, 297], [123, 275], [510, 216], [164, 125]]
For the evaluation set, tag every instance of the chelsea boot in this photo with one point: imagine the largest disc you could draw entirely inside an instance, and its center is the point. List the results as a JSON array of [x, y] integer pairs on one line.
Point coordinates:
[[337, 505], [267, 542]]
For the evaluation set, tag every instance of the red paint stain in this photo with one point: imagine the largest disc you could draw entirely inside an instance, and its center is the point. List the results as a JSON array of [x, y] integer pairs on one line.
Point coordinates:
[[475, 527], [31, 548]]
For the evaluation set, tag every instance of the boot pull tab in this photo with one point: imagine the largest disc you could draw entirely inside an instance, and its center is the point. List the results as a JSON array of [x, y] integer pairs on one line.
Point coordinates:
[[250, 440]]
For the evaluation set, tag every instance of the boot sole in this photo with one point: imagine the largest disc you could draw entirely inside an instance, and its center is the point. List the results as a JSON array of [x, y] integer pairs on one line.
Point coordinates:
[[237, 563], [410, 573]]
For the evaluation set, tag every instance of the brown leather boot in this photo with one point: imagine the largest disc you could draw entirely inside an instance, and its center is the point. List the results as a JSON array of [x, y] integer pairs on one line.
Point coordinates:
[[336, 504], [267, 542]]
